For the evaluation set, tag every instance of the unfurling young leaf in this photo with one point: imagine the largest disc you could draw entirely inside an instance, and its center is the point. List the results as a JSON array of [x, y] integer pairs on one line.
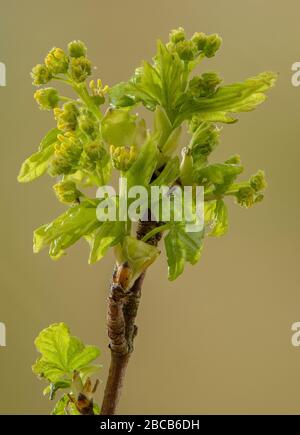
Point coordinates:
[[63, 359], [80, 220], [37, 164]]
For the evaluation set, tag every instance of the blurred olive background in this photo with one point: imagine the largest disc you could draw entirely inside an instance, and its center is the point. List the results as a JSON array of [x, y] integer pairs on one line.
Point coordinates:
[[218, 340]]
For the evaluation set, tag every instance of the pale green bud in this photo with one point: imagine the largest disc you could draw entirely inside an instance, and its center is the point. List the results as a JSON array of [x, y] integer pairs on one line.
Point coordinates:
[[212, 45], [47, 98], [200, 40], [186, 50], [41, 75], [77, 49], [67, 192], [177, 35], [57, 61], [80, 69]]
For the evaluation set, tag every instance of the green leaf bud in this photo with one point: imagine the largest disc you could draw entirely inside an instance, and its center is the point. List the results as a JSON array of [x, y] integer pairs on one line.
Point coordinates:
[[258, 181], [47, 98], [67, 117], [80, 69], [77, 49], [57, 61], [187, 167], [123, 157], [41, 75], [200, 40], [212, 45], [67, 192], [177, 35]]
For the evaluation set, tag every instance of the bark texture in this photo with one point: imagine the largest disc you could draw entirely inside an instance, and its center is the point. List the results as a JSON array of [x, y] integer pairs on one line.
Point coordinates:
[[121, 316]]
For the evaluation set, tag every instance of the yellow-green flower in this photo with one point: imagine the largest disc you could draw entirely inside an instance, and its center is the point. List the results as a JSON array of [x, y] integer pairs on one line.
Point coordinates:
[[123, 157], [94, 152], [80, 69], [67, 192], [47, 98], [57, 61], [68, 150], [67, 117], [41, 75]]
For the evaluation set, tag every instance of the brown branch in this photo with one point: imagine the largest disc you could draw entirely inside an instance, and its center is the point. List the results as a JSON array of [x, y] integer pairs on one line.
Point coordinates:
[[121, 315]]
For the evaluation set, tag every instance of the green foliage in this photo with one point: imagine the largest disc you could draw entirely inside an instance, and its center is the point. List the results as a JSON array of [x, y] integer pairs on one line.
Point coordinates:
[[89, 143], [62, 356], [78, 221], [182, 246]]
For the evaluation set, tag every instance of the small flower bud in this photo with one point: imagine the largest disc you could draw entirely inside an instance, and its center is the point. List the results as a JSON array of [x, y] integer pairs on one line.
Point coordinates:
[[41, 75], [258, 181], [246, 196], [205, 85], [185, 50], [67, 117], [123, 157], [47, 98], [177, 35], [67, 192], [81, 68], [94, 152], [212, 45], [200, 40], [77, 49], [68, 150], [57, 61]]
